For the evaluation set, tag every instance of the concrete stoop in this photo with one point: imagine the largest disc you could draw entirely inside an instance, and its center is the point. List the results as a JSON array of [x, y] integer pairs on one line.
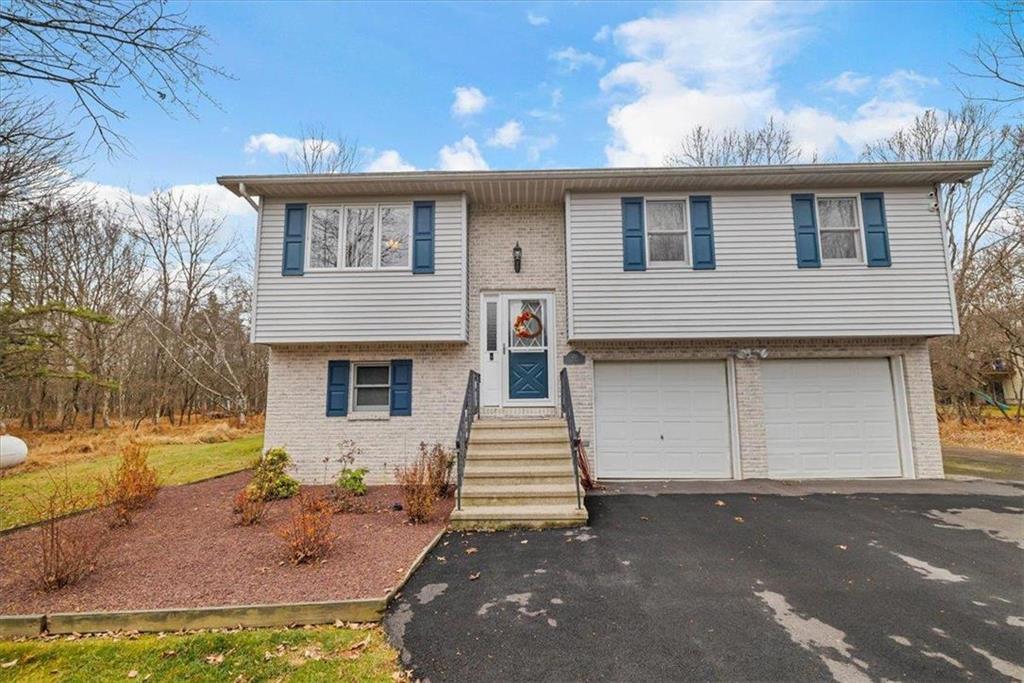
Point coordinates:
[[518, 475]]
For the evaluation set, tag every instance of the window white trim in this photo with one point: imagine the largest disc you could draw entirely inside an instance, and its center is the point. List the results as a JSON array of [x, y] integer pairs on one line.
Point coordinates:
[[308, 246], [354, 393], [859, 228], [657, 265], [343, 237]]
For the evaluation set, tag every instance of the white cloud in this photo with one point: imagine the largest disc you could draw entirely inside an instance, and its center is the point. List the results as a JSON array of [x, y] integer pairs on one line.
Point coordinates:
[[904, 81], [468, 100], [556, 98], [603, 34], [538, 145], [536, 19], [219, 200], [848, 82], [508, 135], [573, 59], [282, 145], [389, 161], [715, 65], [462, 155]]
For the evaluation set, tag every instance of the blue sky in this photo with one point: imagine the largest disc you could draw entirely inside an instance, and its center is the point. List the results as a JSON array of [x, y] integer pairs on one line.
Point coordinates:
[[533, 85]]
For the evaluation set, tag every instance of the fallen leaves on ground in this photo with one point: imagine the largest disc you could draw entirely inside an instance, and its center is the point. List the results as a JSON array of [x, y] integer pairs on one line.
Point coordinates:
[[739, 519], [355, 650], [471, 551], [8, 665], [214, 659], [474, 576], [133, 673], [719, 503]]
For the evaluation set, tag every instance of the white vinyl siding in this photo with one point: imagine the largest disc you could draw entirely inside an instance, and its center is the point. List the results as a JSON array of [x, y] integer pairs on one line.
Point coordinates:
[[756, 289], [385, 304]]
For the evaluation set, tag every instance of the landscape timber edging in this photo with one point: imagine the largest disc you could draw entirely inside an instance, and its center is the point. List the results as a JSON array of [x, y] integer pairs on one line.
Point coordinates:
[[195, 618]]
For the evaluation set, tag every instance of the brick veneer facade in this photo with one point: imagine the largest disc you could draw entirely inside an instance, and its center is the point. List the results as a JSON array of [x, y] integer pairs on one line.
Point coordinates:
[[296, 415]]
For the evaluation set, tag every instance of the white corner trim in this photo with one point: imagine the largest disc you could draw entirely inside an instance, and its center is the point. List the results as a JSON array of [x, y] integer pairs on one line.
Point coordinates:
[[734, 417], [903, 434], [568, 266], [256, 273], [465, 268]]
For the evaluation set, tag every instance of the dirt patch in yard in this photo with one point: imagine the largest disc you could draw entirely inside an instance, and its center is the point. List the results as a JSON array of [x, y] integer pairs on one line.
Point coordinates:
[[184, 551]]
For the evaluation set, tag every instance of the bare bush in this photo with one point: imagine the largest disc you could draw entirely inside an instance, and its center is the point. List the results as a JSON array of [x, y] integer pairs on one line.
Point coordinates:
[[130, 487], [248, 508], [439, 461], [418, 491], [307, 534], [63, 555]]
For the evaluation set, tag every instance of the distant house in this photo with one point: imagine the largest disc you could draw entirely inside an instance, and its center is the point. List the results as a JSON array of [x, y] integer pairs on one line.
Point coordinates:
[[712, 323]]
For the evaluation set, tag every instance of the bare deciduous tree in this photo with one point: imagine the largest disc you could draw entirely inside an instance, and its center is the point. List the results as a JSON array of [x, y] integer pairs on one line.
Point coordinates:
[[772, 143], [93, 47], [1000, 59], [322, 153]]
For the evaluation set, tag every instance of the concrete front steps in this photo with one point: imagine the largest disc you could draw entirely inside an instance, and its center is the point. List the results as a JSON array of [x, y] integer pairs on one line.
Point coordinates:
[[518, 474]]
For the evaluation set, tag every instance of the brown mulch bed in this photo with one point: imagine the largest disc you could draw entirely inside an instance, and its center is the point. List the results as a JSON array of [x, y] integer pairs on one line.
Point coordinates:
[[184, 551]]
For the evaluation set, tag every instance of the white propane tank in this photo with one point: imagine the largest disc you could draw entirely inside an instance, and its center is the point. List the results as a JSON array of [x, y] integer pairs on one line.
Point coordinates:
[[13, 451]]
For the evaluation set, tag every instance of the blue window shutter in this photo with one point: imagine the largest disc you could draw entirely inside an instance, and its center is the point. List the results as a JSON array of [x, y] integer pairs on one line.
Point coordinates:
[[337, 387], [401, 387], [806, 225], [876, 232], [293, 255], [423, 237], [703, 233], [634, 248]]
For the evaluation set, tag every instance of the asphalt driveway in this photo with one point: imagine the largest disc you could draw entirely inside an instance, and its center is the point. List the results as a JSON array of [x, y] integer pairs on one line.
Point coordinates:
[[730, 586]]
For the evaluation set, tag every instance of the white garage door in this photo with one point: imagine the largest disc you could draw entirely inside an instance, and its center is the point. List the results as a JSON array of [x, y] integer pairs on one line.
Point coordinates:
[[661, 420], [830, 418]]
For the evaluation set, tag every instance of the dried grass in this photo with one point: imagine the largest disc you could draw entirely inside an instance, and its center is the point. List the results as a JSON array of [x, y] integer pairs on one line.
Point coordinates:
[[997, 434], [48, 448]]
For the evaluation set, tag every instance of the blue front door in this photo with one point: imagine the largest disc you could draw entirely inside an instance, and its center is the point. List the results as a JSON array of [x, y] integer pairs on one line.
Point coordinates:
[[528, 375], [528, 340]]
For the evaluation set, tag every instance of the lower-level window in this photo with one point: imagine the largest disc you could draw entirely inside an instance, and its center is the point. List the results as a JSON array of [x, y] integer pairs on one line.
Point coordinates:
[[371, 388]]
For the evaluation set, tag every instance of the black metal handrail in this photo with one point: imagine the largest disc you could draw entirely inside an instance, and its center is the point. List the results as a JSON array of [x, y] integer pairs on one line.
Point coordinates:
[[470, 410], [574, 433]]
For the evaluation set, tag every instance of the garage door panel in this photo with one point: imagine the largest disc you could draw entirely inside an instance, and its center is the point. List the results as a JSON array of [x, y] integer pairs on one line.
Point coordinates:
[[678, 419], [830, 418]]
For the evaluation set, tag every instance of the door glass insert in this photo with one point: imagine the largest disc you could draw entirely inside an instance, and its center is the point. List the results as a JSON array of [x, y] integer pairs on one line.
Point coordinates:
[[527, 325], [492, 325]]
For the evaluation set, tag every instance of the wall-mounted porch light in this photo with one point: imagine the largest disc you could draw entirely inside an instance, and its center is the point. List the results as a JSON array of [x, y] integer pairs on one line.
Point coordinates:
[[517, 257]]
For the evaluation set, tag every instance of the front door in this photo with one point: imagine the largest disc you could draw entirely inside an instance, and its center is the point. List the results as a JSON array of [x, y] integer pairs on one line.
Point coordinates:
[[516, 338]]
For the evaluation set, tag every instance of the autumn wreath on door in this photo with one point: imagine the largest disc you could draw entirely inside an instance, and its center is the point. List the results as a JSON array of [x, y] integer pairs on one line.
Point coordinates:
[[527, 325]]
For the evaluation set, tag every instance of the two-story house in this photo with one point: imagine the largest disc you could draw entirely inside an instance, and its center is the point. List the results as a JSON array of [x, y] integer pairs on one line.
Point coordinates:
[[711, 323]]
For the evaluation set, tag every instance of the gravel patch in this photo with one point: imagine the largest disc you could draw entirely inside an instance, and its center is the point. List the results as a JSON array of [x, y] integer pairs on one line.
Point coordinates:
[[184, 551]]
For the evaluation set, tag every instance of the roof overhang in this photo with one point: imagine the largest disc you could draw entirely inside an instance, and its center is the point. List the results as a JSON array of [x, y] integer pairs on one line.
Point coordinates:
[[550, 186]]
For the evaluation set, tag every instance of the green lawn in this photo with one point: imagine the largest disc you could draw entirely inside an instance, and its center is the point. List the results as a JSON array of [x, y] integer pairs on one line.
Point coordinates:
[[325, 653], [1004, 470], [177, 464]]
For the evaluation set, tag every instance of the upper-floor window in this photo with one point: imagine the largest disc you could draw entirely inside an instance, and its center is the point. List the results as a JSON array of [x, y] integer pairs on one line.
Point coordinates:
[[364, 236], [839, 229], [667, 231]]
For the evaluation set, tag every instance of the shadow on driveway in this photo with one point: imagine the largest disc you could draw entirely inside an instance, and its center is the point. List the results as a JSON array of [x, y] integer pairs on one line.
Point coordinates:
[[729, 587]]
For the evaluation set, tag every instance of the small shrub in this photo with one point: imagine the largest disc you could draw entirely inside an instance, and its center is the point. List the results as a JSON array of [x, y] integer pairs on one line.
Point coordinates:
[[62, 555], [439, 462], [270, 480], [352, 481], [249, 507], [130, 487], [307, 534], [418, 492]]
